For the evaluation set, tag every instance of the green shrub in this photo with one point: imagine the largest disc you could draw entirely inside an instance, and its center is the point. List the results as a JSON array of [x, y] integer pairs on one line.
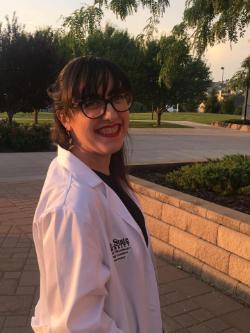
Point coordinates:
[[23, 138], [245, 190], [227, 176], [237, 121]]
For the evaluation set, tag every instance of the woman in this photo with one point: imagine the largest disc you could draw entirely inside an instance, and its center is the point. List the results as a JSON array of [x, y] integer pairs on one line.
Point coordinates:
[[94, 256]]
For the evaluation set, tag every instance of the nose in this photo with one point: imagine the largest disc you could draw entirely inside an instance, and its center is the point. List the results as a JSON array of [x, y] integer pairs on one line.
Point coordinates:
[[110, 113]]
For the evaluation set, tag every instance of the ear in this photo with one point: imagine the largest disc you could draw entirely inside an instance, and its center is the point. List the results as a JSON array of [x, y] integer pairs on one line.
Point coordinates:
[[63, 119]]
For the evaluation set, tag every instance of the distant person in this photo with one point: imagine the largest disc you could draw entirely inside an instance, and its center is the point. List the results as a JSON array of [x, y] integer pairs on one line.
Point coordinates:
[[97, 272]]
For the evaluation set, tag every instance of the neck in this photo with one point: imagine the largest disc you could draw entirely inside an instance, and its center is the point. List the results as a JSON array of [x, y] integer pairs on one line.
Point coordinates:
[[93, 161]]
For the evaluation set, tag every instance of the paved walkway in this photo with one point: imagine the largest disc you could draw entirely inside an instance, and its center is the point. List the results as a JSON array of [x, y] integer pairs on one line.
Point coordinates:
[[188, 305], [147, 145]]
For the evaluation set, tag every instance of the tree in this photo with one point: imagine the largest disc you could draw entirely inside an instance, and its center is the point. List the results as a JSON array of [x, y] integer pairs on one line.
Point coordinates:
[[41, 62], [185, 77], [12, 38], [212, 103], [29, 63], [157, 77], [117, 46], [154, 95], [85, 20], [81, 23], [237, 81], [216, 21], [212, 21], [241, 81], [83, 36], [138, 61], [128, 7]]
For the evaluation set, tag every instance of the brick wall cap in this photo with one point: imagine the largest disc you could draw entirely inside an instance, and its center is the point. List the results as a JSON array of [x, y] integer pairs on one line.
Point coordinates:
[[219, 214]]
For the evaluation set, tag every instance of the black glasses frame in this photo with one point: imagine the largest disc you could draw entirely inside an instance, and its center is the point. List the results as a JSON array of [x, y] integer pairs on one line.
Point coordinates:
[[106, 102]]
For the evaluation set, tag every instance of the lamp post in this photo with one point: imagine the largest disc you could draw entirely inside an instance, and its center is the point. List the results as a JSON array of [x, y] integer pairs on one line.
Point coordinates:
[[222, 76]]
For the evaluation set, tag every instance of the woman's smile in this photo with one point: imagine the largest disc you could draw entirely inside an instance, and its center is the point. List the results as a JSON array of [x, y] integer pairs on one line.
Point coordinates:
[[109, 131]]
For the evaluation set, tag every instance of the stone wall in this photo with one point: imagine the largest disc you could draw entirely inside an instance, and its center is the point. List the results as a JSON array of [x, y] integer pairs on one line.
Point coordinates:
[[202, 237], [240, 127]]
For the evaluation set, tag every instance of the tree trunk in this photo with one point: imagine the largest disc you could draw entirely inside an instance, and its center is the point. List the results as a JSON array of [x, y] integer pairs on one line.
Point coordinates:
[[158, 112], [35, 116], [10, 115]]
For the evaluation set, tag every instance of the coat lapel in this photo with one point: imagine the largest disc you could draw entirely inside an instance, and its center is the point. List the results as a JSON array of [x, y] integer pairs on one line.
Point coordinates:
[[117, 205]]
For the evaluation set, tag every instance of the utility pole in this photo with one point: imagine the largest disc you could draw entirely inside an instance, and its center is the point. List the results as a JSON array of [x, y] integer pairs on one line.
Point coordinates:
[[247, 93], [246, 103]]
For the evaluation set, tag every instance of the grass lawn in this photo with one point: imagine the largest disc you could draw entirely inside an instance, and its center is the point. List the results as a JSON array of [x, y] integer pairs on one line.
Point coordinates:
[[152, 124], [25, 118], [204, 118]]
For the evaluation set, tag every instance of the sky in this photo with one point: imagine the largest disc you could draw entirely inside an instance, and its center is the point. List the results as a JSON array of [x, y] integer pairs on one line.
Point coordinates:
[[36, 14]]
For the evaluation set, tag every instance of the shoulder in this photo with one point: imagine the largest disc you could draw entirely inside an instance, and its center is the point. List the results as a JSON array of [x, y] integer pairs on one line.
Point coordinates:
[[63, 228], [62, 190]]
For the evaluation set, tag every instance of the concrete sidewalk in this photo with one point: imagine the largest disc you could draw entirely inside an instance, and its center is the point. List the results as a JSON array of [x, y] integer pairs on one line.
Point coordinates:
[[188, 305], [147, 145]]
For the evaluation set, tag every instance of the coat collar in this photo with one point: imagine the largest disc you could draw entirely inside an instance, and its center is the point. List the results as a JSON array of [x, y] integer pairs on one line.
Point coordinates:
[[76, 167], [82, 172]]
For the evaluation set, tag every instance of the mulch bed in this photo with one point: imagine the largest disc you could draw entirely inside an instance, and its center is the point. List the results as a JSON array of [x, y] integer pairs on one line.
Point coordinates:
[[157, 175]]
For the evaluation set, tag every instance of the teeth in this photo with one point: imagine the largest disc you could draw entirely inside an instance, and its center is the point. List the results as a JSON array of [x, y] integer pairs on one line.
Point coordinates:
[[109, 130]]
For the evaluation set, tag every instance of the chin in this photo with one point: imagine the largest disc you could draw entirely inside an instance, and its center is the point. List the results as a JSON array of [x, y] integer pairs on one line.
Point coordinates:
[[111, 150]]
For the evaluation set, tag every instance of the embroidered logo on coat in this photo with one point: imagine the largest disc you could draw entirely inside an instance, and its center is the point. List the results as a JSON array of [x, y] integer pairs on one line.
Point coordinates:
[[119, 248]]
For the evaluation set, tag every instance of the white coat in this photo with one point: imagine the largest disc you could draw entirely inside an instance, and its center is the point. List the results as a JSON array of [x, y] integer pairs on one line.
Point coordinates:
[[96, 273]]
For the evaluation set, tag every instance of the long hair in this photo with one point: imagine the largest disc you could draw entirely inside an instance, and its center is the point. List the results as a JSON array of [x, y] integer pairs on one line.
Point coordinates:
[[83, 77]]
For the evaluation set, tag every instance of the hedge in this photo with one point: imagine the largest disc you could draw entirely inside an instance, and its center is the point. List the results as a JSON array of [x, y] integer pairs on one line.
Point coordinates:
[[227, 176], [24, 138]]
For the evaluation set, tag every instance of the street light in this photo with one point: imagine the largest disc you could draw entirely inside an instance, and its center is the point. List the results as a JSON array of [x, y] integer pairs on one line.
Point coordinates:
[[222, 77]]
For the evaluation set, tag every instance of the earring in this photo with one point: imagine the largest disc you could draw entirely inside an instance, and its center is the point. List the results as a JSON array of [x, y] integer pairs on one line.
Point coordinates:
[[70, 139]]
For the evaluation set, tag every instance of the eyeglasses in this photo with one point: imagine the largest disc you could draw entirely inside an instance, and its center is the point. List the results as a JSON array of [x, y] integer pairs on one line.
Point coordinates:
[[95, 107]]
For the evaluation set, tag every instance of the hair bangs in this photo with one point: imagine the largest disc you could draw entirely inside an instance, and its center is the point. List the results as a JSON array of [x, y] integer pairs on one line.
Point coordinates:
[[99, 77]]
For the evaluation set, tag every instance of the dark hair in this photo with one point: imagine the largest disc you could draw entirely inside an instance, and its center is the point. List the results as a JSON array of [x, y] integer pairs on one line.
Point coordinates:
[[83, 77]]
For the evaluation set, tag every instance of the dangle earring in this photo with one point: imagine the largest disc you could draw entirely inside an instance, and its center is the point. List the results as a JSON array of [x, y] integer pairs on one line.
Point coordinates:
[[70, 139]]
